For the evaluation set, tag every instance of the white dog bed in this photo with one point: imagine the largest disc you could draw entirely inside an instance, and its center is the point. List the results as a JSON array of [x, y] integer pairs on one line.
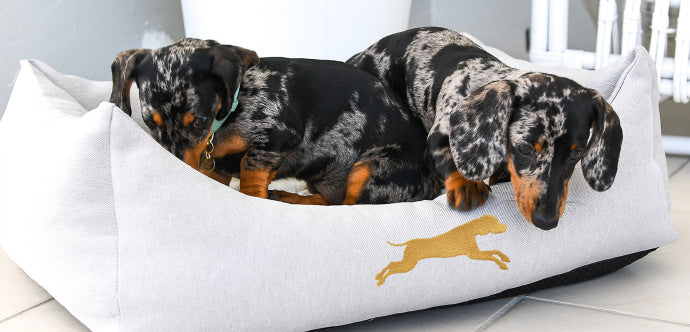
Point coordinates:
[[129, 238]]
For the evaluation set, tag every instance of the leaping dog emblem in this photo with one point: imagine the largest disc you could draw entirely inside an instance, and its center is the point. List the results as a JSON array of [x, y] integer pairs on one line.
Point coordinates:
[[458, 241]]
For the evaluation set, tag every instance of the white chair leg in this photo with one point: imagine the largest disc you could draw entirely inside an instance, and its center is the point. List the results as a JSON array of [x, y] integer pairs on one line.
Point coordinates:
[[657, 43], [558, 26], [632, 29], [549, 45], [680, 74], [608, 14], [676, 144], [539, 29]]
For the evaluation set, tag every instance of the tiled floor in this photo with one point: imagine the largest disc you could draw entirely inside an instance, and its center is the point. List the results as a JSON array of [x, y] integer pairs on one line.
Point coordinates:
[[651, 294]]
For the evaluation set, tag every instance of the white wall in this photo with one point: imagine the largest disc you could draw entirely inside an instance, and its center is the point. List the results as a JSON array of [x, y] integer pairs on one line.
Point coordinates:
[[80, 37], [317, 29]]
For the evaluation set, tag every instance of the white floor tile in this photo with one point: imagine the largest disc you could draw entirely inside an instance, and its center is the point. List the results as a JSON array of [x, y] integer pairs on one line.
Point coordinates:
[[48, 317], [455, 318], [532, 316], [17, 291], [655, 286]]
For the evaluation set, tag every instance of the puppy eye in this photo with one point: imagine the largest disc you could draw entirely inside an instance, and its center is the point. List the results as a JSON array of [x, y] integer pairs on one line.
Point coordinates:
[[199, 122], [148, 121], [526, 149]]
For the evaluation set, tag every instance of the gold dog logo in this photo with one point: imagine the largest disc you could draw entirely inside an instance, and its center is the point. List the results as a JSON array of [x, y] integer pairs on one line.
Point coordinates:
[[458, 241]]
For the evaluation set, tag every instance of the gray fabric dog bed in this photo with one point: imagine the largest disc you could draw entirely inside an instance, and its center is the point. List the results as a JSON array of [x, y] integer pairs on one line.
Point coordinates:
[[129, 238]]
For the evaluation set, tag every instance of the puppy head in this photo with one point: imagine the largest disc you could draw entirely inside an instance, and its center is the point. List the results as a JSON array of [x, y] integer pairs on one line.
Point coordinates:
[[540, 125], [182, 88]]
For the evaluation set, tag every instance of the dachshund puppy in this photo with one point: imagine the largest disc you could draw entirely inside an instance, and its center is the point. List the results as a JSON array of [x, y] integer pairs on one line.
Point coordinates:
[[221, 111], [488, 120]]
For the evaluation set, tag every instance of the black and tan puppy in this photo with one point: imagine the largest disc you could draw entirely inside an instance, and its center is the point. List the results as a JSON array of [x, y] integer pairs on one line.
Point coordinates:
[[488, 120], [338, 128]]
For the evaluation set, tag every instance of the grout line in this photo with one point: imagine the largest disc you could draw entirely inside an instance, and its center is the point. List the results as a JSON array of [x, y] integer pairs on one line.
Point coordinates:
[[498, 314], [679, 168], [26, 310], [609, 311]]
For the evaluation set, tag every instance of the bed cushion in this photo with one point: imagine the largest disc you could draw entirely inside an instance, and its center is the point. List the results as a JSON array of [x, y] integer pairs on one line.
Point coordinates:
[[129, 238]]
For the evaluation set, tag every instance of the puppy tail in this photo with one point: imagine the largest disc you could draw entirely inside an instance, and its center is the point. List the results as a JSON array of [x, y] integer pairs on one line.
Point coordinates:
[[398, 245]]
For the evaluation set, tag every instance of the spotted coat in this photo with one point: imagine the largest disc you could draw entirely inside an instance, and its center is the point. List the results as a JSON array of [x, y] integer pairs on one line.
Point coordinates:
[[307, 119], [488, 120]]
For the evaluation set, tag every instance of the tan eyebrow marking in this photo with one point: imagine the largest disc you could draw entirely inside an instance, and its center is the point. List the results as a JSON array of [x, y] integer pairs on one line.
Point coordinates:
[[188, 119], [157, 118], [538, 147]]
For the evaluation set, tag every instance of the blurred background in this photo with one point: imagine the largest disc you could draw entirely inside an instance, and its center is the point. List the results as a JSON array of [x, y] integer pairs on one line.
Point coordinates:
[[82, 37]]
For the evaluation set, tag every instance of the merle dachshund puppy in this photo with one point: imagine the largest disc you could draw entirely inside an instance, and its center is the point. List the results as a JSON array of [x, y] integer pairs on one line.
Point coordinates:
[[488, 120], [221, 111]]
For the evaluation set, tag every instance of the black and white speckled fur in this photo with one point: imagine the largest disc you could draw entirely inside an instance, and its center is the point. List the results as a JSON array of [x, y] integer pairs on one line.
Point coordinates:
[[488, 120], [308, 119]]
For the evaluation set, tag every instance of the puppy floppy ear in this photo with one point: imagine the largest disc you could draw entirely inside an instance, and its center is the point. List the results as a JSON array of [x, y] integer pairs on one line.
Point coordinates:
[[478, 129], [228, 63], [124, 72], [600, 162]]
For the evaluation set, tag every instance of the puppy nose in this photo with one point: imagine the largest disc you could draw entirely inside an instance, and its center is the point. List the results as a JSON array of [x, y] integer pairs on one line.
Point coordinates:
[[544, 222]]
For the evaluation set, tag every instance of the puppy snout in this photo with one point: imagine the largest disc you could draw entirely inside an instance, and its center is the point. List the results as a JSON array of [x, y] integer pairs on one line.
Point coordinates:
[[545, 221], [190, 157]]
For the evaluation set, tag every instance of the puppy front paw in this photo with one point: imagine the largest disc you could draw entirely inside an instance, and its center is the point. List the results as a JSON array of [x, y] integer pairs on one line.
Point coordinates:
[[292, 198], [465, 194], [273, 195]]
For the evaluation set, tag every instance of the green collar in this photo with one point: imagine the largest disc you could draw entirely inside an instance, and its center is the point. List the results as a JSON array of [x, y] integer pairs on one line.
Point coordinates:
[[218, 123]]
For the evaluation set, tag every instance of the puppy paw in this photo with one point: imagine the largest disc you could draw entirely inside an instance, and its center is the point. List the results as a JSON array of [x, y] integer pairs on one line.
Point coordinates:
[[465, 194], [292, 198], [273, 195]]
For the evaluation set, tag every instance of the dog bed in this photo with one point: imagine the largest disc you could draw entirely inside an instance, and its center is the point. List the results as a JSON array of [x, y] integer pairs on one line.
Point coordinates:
[[129, 238]]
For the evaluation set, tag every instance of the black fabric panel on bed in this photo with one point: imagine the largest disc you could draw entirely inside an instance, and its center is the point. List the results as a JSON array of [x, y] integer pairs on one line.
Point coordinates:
[[579, 274]]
